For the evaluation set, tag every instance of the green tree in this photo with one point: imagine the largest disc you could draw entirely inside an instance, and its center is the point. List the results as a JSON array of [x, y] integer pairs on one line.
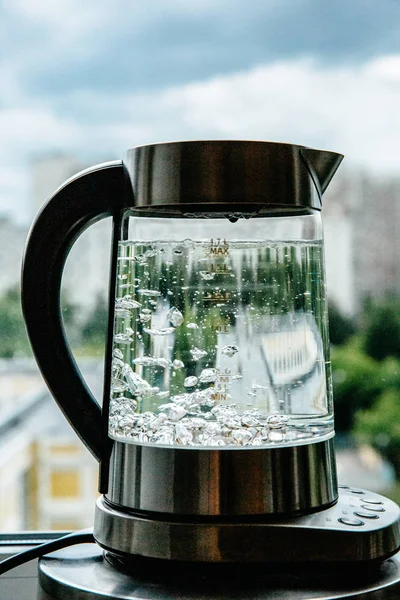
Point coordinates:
[[380, 426], [382, 329], [341, 328], [94, 330], [356, 383], [13, 337]]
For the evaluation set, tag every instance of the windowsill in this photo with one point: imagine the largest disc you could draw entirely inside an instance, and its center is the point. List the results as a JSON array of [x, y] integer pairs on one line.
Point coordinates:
[[21, 582]]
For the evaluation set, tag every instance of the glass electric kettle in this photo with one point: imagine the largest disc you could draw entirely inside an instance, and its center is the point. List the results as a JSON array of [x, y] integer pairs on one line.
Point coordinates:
[[218, 394]]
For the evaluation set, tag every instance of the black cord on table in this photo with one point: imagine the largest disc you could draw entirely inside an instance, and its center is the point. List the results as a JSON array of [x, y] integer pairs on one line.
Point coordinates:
[[80, 537]]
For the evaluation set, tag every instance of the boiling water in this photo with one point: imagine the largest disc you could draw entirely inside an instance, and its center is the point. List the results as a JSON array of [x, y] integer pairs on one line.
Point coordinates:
[[220, 344]]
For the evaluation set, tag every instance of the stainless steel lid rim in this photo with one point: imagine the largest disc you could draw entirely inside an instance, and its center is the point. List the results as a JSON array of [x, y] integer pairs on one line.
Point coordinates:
[[168, 173]]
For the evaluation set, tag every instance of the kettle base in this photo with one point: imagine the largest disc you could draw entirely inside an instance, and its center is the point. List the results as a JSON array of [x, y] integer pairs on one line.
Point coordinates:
[[360, 527], [81, 573]]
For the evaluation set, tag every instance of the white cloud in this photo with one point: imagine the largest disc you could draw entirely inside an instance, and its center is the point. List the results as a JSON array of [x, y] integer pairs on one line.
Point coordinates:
[[346, 109]]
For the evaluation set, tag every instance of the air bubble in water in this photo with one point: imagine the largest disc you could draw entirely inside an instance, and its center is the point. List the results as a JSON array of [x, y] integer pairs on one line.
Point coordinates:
[[277, 421], [178, 364], [197, 353], [206, 275], [173, 411], [117, 385], [230, 350], [122, 313], [175, 316], [136, 384], [190, 381], [182, 435], [145, 360], [242, 436], [146, 292], [208, 375], [192, 326], [164, 362], [126, 302], [162, 331], [145, 315], [122, 338]]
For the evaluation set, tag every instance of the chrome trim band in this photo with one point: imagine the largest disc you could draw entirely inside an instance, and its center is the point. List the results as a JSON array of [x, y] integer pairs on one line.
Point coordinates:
[[205, 482]]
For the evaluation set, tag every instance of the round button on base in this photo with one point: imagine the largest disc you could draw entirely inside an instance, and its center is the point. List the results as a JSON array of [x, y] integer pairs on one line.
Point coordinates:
[[366, 515], [352, 522], [373, 508]]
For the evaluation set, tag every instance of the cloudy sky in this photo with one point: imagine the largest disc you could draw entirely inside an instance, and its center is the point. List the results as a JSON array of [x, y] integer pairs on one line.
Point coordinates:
[[94, 78]]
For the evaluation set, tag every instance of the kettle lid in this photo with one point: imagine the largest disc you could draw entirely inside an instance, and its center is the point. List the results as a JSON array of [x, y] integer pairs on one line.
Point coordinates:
[[213, 176]]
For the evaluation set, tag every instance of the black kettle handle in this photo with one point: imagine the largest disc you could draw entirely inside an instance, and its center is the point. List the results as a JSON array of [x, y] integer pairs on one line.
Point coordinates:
[[88, 197]]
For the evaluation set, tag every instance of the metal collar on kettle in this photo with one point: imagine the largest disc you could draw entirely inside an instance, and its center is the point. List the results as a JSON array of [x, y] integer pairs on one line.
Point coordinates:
[[211, 176]]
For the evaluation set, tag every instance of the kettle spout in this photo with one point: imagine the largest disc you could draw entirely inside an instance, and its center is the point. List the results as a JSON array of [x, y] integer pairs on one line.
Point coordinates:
[[322, 165]]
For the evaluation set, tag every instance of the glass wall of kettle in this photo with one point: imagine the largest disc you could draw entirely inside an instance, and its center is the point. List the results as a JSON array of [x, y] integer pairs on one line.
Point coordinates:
[[220, 332]]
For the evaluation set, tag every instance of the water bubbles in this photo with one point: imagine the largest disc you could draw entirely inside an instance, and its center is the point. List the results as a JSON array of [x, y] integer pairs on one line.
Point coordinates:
[[174, 412], [177, 364], [137, 385], [122, 338], [183, 435], [190, 381], [145, 315], [237, 377], [197, 354], [146, 292], [126, 303], [165, 435], [126, 422], [140, 260], [161, 331], [250, 420], [164, 362], [117, 385], [122, 313], [149, 391], [145, 360], [208, 375], [230, 350], [175, 316], [195, 423], [277, 421], [207, 276], [242, 436], [192, 326]]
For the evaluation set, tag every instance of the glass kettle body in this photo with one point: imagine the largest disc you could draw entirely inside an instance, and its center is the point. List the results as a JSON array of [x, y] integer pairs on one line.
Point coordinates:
[[217, 394], [220, 332]]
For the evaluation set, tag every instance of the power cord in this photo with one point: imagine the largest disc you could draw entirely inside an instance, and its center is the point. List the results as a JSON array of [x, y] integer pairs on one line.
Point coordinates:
[[72, 539]]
